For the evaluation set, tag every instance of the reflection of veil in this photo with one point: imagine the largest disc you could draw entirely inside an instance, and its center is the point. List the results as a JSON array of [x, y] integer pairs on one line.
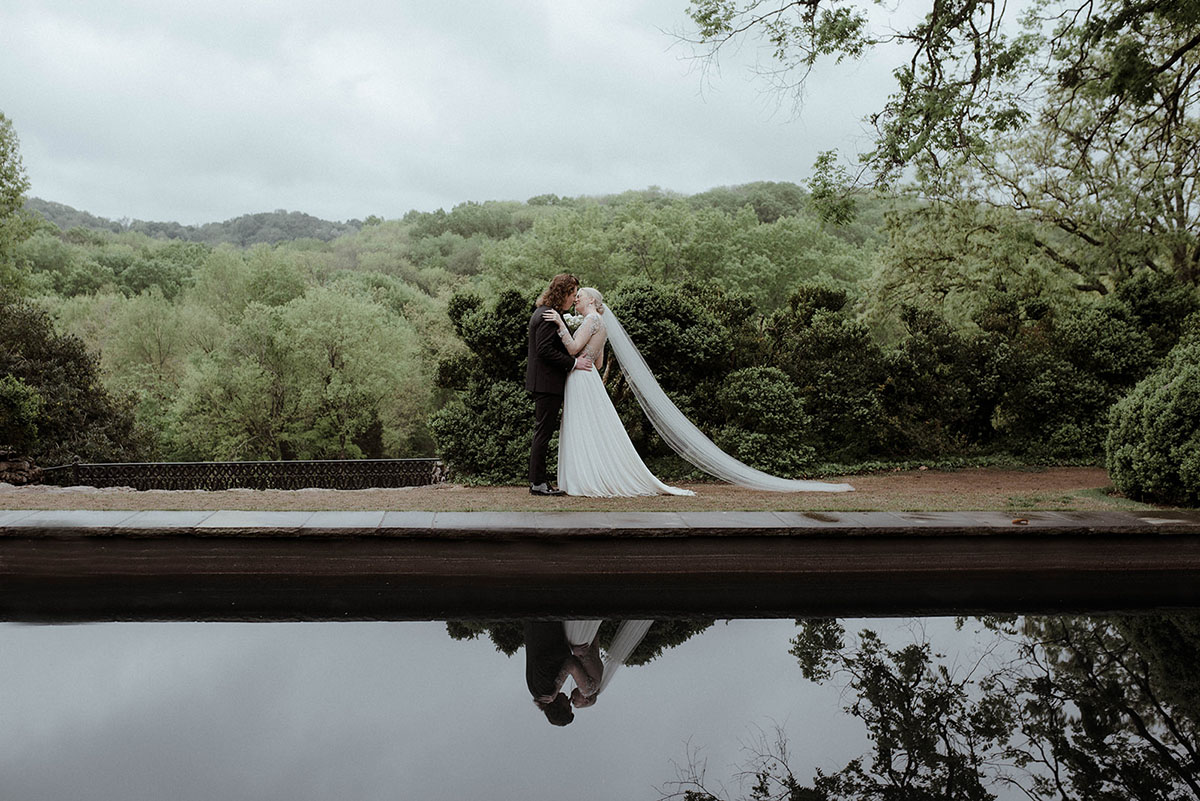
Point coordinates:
[[628, 636], [679, 432]]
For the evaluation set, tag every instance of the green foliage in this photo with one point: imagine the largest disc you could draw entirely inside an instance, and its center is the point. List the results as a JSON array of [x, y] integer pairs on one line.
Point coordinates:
[[959, 256], [769, 201], [496, 334], [15, 224], [829, 186], [69, 264], [762, 251], [681, 339], [328, 374], [20, 407], [1153, 444], [785, 338], [76, 416], [1062, 376], [1159, 306], [245, 231], [484, 433], [766, 425], [943, 386], [837, 366]]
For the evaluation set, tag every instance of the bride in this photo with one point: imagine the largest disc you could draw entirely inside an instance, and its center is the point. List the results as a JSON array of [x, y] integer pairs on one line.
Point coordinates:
[[595, 455]]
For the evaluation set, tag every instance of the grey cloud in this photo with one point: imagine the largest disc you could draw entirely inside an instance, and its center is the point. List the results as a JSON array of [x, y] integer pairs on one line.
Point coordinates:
[[203, 112]]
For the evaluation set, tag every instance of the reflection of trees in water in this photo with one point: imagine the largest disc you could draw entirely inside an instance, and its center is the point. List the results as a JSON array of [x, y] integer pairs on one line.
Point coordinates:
[[1062, 708], [508, 635]]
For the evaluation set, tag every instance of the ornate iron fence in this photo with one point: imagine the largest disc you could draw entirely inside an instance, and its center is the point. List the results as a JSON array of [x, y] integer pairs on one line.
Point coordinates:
[[324, 474]]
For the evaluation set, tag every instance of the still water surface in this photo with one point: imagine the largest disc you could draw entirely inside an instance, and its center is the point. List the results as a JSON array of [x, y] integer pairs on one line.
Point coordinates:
[[141, 711]]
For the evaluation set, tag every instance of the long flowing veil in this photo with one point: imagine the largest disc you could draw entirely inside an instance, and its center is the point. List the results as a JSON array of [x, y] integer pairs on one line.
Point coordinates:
[[682, 435]]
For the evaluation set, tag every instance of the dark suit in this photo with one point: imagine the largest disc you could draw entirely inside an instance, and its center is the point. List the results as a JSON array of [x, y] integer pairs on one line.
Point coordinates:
[[546, 374]]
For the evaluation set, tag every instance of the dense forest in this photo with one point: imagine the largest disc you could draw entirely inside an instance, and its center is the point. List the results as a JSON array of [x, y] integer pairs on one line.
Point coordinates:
[[1028, 291]]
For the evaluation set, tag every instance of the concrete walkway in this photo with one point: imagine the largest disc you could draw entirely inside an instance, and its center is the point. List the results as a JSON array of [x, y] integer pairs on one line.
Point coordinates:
[[63, 566]]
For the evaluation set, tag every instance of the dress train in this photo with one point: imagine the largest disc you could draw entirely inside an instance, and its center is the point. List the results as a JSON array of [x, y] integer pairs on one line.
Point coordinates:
[[595, 455]]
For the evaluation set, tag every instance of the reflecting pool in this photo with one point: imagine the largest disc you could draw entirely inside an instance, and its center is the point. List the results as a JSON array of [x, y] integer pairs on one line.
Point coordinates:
[[1054, 706]]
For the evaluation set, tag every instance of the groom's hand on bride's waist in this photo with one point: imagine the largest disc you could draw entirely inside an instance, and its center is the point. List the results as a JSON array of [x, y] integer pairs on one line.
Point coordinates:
[[583, 363]]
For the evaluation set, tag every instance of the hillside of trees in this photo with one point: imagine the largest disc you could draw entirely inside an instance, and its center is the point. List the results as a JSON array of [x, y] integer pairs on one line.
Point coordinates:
[[249, 229]]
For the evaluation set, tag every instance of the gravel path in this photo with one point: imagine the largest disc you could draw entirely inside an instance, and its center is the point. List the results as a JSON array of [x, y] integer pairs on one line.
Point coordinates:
[[1060, 488]]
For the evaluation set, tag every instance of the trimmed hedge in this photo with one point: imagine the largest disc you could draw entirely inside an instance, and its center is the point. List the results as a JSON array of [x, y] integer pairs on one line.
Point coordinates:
[[1153, 445]]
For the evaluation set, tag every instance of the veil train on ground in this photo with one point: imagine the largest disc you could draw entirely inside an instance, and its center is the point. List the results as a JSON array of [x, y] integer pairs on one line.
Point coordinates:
[[682, 435]]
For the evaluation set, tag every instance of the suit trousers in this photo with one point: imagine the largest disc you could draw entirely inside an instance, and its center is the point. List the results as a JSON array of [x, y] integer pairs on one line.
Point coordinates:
[[546, 407]]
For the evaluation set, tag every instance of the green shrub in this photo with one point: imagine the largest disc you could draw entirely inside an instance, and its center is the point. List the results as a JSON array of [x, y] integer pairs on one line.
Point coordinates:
[[20, 405], [837, 367], [76, 415], [942, 387], [767, 427], [1153, 445], [1063, 375], [1159, 305], [484, 435]]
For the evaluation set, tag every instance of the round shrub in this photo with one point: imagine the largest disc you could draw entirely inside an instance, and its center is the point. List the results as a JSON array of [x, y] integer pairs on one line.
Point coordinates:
[[1153, 445], [767, 427], [484, 434], [20, 405]]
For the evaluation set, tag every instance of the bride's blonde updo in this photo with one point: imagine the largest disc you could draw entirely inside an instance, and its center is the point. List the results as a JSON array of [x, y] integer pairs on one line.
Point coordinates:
[[595, 295]]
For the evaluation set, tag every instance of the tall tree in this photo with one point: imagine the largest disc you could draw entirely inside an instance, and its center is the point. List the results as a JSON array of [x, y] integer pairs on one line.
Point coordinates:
[[1111, 87], [15, 224]]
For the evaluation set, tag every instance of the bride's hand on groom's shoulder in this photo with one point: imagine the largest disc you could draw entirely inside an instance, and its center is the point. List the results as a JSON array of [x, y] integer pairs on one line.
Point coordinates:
[[552, 316]]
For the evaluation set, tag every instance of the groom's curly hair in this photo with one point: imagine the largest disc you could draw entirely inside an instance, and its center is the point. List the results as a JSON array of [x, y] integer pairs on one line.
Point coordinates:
[[561, 285]]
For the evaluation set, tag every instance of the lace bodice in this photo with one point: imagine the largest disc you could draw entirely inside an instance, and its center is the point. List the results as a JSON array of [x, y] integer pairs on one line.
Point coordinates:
[[594, 330]]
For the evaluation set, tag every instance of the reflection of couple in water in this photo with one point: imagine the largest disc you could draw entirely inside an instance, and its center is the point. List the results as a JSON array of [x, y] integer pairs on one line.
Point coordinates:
[[556, 650]]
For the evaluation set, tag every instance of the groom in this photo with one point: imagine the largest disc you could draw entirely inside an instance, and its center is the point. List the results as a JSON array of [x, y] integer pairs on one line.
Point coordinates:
[[546, 375]]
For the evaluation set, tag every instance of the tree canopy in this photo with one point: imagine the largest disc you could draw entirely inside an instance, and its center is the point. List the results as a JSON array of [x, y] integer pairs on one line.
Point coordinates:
[[1083, 115]]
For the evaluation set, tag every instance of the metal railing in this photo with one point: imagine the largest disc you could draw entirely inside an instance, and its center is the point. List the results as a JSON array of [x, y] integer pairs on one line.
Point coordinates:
[[285, 475]]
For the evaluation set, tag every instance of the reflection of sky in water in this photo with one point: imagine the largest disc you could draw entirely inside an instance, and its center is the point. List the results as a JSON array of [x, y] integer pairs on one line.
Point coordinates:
[[390, 710]]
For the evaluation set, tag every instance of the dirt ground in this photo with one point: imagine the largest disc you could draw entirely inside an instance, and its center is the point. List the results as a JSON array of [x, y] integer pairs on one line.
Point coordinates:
[[1060, 488]]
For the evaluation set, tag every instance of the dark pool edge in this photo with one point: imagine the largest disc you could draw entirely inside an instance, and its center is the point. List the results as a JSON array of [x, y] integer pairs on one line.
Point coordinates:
[[58, 567]]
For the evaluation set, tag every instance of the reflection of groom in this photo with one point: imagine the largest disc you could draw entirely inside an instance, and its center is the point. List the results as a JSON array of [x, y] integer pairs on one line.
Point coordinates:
[[546, 375]]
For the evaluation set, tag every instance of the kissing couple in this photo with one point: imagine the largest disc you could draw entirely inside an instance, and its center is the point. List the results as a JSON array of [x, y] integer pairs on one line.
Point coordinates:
[[595, 455]]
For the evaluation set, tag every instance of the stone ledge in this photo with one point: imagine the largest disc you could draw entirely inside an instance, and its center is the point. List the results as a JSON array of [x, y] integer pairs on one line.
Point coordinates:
[[234, 523], [78, 566]]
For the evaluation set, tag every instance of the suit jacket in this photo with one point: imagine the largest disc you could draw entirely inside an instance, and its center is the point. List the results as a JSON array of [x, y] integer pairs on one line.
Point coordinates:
[[549, 363]]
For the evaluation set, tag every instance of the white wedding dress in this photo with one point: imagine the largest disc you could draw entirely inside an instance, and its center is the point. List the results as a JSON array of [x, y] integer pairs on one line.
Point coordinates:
[[595, 455]]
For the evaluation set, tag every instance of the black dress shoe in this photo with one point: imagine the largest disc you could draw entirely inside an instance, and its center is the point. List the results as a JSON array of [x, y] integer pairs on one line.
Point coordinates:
[[545, 489]]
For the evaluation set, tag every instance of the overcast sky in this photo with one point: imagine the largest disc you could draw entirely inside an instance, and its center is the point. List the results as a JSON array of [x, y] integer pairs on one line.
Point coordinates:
[[199, 112]]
